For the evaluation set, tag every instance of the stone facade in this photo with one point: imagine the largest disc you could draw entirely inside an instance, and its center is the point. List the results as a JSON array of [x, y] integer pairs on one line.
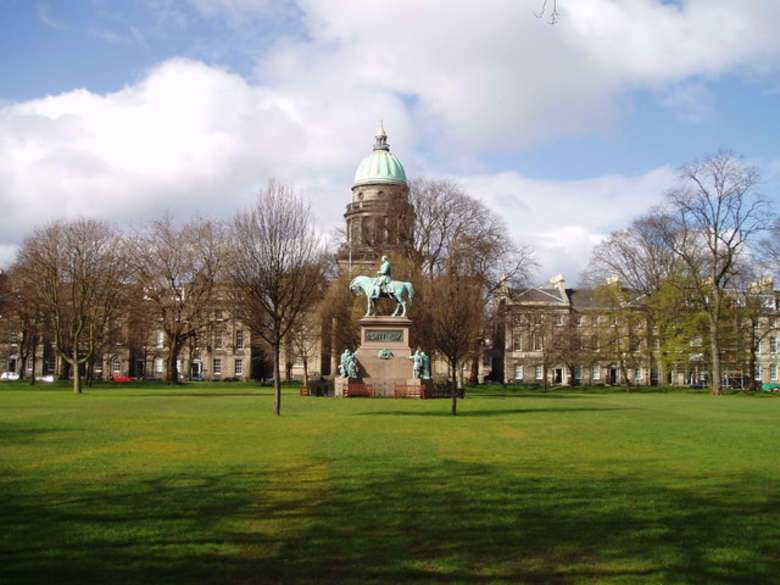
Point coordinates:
[[572, 336]]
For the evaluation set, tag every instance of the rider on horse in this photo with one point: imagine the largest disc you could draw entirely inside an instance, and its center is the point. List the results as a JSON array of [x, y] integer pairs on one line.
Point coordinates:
[[383, 277]]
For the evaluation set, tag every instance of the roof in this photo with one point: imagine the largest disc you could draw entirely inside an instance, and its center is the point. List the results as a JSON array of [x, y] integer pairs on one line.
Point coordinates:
[[380, 165]]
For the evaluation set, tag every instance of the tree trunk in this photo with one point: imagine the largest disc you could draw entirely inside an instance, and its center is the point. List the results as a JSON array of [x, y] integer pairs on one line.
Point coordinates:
[[32, 358], [752, 366], [305, 371], [715, 353], [277, 379], [76, 371], [626, 378], [454, 388], [172, 372], [474, 379]]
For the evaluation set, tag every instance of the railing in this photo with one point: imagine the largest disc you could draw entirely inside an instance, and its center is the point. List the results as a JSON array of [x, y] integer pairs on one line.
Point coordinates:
[[405, 391], [359, 390]]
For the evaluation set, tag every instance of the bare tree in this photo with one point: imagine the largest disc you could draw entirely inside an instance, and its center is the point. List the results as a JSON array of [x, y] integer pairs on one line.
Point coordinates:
[[457, 238], [456, 309], [452, 226], [642, 261], [22, 318], [638, 256], [752, 307], [177, 270], [548, 8], [622, 337], [305, 338], [715, 213], [769, 250], [276, 268], [79, 269]]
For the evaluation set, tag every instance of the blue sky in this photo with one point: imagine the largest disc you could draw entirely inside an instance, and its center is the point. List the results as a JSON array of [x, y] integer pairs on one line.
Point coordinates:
[[124, 110]]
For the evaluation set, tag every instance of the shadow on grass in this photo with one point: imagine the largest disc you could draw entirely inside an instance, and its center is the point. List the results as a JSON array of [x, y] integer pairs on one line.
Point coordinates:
[[366, 522], [488, 412], [203, 394], [16, 434]]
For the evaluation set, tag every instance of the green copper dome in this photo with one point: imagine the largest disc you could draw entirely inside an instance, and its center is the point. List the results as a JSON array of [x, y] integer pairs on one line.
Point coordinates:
[[381, 165]]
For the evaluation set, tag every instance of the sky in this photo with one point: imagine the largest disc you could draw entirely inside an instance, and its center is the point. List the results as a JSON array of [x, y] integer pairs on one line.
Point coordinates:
[[125, 110]]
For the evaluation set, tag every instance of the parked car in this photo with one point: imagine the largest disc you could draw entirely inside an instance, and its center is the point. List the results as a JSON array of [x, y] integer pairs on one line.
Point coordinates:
[[9, 376], [48, 378]]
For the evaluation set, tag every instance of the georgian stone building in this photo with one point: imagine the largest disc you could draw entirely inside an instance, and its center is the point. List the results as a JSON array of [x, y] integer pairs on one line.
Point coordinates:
[[582, 336]]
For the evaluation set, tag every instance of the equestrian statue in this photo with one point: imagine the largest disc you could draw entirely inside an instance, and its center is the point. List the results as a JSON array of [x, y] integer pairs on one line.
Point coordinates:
[[383, 286]]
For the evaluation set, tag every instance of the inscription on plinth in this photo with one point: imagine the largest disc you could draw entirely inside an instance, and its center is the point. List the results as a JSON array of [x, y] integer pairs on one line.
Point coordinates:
[[383, 335]]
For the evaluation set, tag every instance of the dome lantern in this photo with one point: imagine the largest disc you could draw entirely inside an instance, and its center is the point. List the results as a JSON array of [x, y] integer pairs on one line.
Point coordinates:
[[380, 165]]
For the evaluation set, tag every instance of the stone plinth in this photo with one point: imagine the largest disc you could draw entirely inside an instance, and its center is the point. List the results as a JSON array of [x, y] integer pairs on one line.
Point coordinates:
[[384, 353]]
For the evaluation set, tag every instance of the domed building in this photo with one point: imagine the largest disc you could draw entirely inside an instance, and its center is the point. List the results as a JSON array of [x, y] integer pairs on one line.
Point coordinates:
[[380, 218]]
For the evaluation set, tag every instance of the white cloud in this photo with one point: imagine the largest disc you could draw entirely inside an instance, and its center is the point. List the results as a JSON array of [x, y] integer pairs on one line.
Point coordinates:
[[488, 76], [44, 14], [563, 220]]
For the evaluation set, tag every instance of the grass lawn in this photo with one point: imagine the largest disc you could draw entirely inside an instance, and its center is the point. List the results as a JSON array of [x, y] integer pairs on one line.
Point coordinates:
[[202, 484]]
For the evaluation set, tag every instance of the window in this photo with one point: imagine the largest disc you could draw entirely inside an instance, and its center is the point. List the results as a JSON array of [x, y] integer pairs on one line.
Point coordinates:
[[773, 323], [158, 365], [773, 372], [160, 338], [13, 337], [579, 320], [558, 320], [239, 367], [538, 343], [594, 342], [218, 335], [539, 373], [217, 366], [218, 314], [578, 373], [517, 342], [240, 339], [772, 345], [519, 372], [116, 366], [601, 320], [596, 374], [537, 319]]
